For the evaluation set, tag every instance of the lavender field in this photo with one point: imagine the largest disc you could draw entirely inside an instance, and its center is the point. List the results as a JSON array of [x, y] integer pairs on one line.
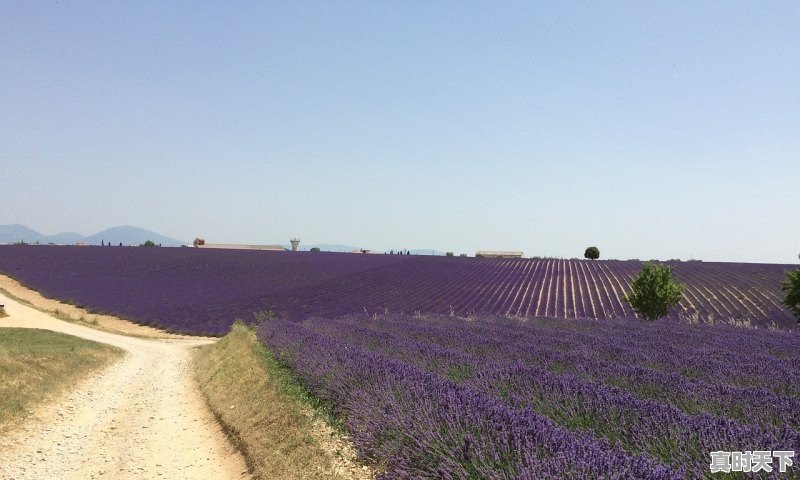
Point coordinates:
[[478, 368], [492, 397], [204, 291]]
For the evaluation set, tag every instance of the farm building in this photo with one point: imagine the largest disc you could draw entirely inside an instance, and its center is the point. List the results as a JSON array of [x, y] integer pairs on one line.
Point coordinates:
[[497, 254], [233, 246], [201, 243]]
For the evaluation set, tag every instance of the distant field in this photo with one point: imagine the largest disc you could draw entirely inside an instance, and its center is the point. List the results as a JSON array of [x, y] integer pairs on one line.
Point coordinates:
[[204, 291]]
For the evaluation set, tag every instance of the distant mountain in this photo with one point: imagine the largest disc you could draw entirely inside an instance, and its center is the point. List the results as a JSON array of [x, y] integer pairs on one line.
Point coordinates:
[[126, 235], [66, 238], [16, 233]]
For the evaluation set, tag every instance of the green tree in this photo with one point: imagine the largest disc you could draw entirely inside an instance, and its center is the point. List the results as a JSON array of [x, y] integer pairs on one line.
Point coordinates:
[[592, 253], [791, 285], [654, 291], [315, 249], [149, 243]]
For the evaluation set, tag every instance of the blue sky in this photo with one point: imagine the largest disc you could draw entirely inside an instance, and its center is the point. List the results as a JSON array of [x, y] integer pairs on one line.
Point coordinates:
[[649, 129]]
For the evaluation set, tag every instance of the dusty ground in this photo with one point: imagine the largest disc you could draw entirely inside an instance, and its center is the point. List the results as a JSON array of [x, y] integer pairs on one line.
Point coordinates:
[[141, 418]]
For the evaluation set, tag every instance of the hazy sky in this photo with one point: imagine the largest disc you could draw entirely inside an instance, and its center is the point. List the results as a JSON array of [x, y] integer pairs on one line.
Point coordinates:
[[650, 129]]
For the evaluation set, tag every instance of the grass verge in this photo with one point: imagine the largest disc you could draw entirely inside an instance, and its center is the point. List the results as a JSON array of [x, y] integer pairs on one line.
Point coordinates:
[[38, 365], [267, 415]]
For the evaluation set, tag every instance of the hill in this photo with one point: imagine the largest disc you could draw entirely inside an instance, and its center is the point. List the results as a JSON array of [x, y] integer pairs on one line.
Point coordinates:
[[17, 233], [126, 235], [131, 236]]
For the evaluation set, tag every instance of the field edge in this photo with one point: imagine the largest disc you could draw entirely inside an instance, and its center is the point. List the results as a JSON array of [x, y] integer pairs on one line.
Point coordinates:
[[266, 415]]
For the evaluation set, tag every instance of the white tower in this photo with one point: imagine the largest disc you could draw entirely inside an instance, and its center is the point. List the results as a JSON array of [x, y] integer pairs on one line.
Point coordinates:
[[295, 243]]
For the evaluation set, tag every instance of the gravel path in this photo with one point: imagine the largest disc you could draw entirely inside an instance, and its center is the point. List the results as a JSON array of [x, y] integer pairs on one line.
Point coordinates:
[[140, 418]]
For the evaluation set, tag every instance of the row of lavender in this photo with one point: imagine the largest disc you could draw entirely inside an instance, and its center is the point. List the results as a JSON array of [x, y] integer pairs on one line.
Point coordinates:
[[203, 291], [442, 397]]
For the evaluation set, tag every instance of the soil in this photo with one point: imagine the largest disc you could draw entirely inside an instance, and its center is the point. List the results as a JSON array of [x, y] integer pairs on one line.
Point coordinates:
[[141, 418]]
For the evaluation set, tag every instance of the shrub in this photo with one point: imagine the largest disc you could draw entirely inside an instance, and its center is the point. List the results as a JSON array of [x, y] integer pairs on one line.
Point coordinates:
[[592, 253], [315, 249], [149, 243], [654, 291], [792, 288]]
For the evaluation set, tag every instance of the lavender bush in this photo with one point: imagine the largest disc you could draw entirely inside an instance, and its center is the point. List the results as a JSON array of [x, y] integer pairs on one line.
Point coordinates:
[[433, 396]]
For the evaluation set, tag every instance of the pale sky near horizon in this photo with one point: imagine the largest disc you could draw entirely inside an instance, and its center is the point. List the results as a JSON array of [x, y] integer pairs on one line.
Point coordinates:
[[649, 129]]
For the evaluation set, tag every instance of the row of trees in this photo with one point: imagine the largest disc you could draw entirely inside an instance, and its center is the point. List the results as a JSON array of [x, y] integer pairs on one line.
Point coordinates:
[[148, 243]]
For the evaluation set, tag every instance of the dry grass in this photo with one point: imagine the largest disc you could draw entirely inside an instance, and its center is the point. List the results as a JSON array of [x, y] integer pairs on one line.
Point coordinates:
[[38, 365], [267, 415]]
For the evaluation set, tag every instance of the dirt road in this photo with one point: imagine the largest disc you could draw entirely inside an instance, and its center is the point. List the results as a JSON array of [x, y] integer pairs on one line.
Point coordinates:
[[141, 418]]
